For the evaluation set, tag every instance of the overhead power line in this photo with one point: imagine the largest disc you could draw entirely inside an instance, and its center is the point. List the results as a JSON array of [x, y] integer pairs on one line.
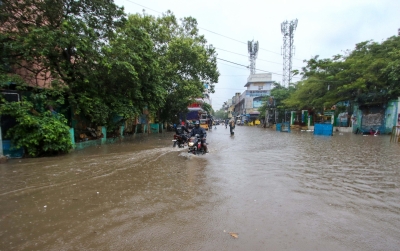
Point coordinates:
[[247, 66], [244, 42], [216, 33], [234, 52], [223, 36], [230, 65], [144, 6], [246, 55]]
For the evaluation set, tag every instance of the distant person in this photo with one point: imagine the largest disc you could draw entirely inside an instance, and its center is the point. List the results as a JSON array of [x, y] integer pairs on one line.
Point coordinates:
[[232, 126]]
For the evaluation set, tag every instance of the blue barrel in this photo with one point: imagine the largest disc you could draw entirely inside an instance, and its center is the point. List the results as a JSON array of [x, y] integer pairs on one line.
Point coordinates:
[[10, 151]]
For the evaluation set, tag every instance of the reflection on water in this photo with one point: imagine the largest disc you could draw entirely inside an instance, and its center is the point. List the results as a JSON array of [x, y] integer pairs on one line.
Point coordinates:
[[276, 190]]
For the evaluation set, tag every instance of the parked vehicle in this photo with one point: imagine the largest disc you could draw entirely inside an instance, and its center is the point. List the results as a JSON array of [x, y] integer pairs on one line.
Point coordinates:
[[195, 146], [180, 140], [204, 124]]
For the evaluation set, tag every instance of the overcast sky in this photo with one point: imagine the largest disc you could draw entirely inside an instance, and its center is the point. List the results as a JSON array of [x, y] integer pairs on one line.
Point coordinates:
[[325, 28]]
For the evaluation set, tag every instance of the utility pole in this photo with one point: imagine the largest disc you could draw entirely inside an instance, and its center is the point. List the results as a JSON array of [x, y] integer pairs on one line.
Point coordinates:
[[287, 29], [253, 51]]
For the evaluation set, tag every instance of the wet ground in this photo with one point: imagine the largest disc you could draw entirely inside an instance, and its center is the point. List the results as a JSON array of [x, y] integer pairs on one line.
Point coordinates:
[[271, 190]]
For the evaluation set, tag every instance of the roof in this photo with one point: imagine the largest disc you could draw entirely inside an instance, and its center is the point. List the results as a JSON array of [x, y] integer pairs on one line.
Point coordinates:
[[259, 78]]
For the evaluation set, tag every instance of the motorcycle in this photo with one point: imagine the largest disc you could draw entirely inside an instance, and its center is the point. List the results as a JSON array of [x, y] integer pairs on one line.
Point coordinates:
[[195, 145], [179, 140]]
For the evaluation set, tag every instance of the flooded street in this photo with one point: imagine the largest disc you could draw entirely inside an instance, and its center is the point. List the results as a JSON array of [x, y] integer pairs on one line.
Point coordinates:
[[276, 191]]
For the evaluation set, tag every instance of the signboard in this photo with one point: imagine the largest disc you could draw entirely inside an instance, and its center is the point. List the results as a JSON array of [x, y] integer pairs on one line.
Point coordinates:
[[257, 103], [194, 105]]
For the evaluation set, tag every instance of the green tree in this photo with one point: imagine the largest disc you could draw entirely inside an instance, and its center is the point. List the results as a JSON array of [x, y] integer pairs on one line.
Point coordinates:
[[371, 73], [38, 133], [207, 108], [368, 74], [130, 76], [61, 41], [186, 59], [221, 114], [106, 64], [276, 100]]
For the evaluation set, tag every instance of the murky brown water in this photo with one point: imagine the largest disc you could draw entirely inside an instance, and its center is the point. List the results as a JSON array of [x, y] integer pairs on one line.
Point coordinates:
[[277, 191]]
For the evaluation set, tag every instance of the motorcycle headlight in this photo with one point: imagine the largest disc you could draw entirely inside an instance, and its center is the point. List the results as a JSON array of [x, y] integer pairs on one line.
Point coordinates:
[[191, 143]]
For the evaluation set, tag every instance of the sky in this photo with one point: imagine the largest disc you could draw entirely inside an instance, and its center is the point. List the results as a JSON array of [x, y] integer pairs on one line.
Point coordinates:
[[325, 28]]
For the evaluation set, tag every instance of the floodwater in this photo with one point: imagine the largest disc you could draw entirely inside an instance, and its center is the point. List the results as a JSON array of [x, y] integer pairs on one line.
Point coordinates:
[[271, 190]]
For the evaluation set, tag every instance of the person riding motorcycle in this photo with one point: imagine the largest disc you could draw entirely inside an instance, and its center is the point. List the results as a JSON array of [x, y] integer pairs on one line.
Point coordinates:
[[202, 134], [180, 130]]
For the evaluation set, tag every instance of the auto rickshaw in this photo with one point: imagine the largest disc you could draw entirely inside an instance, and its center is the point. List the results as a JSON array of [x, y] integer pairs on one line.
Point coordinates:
[[204, 123]]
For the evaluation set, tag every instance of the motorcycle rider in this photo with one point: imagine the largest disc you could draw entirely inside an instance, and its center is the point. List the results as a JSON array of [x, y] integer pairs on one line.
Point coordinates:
[[180, 130], [201, 132]]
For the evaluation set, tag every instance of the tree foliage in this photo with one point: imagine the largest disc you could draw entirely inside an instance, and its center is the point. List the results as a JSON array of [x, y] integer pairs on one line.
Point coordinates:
[[105, 63], [368, 74], [61, 41], [108, 64], [276, 100], [38, 133], [186, 59], [221, 114]]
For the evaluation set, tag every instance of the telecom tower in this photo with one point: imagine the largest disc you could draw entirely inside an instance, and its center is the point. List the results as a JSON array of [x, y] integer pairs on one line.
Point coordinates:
[[253, 51], [288, 29]]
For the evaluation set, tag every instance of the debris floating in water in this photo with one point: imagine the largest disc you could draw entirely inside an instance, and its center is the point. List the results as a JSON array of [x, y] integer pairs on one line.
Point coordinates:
[[234, 235]]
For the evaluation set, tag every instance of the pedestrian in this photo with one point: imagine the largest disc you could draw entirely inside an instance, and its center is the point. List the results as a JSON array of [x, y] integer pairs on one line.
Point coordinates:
[[232, 126]]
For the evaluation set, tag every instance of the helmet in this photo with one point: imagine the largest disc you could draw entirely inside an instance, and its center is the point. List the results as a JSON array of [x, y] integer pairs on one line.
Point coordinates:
[[197, 123]]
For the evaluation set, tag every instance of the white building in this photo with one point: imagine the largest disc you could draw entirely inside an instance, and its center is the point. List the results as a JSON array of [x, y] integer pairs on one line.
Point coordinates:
[[258, 86]]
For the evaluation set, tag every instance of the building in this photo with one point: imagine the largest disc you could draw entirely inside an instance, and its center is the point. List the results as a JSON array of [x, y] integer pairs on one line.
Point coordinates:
[[247, 103], [196, 107]]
